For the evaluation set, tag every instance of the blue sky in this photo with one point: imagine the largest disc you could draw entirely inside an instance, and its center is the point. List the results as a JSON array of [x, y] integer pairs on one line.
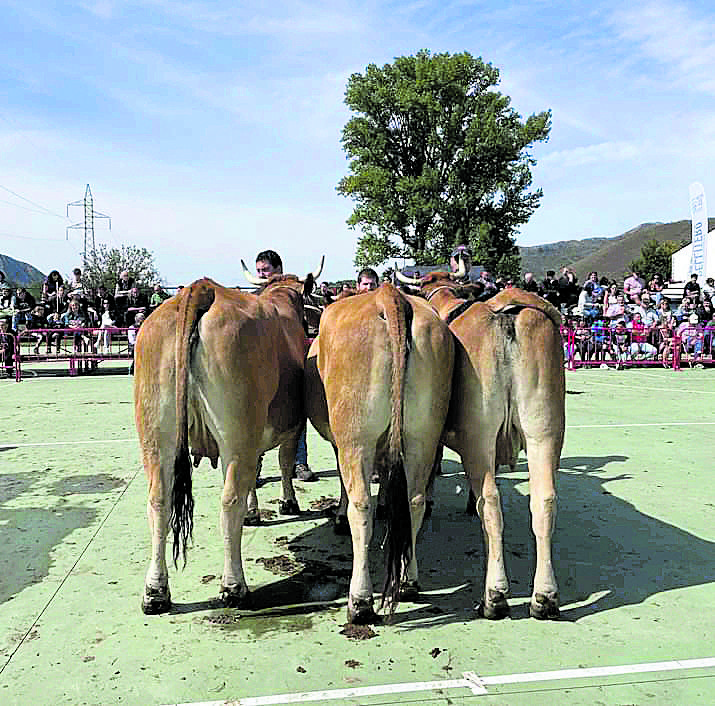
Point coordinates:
[[208, 131]]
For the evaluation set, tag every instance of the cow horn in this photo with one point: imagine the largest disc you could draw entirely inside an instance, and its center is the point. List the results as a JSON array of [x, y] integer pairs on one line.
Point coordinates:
[[252, 278], [316, 273], [407, 280]]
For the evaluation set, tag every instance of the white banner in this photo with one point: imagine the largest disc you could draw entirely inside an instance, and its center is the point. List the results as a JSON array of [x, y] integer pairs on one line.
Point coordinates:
[[699, 216]]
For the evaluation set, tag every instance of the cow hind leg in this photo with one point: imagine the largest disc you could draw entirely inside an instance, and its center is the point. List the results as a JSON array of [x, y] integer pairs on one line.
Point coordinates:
[[480, 471], [542, 463], [234, 505], [353, 467], [157, 598], [288, 503]]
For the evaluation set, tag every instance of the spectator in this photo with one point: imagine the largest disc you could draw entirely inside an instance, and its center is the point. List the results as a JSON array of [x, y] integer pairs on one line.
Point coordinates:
[[640, 348], [107, 322], [586, 306], [490, 288], [597, 290], [709, 287], [656, 287], [7, 346], [568, 289], [3, 281], [529, 284], [121, 292], [158, 296], [705, 309], [620, 343], [692, 288], [132, 333], [684, 309], [5, 298], [327, 294], [599, 338], [23, 303], [691, 338], [73, 318], [135, 303], [617, 310], [610, 295], [650, 313], [50, 287], [75, 287], [636, 305], [635, 284], [39, 321], [461, 253], [550, 288], [366, 280], [268, 262]]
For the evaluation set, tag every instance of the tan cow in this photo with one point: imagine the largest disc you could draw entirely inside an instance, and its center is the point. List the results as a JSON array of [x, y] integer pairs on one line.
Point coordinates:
[[378, 380], [509, 394], [220, 371]]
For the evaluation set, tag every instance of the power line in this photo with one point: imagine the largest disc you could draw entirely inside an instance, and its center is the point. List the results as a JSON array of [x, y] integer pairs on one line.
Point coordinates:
[[37, 205], [89, 215]]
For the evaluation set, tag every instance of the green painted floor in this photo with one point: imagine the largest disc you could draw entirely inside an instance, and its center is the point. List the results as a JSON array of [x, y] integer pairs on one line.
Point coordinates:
[[634, 552]]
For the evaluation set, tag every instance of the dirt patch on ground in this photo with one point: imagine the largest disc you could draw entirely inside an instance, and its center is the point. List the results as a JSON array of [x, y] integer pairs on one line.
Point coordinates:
[[358, 632], [282, 565], [326, 505]]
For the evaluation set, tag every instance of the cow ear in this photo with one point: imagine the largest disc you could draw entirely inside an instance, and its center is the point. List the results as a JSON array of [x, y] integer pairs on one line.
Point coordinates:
[[308, 284]]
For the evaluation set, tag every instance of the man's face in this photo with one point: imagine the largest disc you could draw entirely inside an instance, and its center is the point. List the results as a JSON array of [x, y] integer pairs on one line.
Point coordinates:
[[366, 284], [264, 269]]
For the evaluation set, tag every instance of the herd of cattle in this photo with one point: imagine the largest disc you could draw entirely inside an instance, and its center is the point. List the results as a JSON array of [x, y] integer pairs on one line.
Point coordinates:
[[391, 377]]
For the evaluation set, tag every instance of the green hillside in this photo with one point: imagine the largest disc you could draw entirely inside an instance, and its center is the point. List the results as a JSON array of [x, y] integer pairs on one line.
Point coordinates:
[[608, 256], [20, 274]]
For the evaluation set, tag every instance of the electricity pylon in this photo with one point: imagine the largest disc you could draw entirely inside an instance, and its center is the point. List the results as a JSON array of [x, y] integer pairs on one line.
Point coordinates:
[[89, 215]]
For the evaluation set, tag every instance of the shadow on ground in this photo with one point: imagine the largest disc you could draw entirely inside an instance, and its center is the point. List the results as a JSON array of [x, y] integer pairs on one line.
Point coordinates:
[[607, 553]]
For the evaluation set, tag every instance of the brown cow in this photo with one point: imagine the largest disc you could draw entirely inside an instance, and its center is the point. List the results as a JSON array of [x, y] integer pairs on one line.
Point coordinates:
[[221, 371], [378, 380], [509, 394]]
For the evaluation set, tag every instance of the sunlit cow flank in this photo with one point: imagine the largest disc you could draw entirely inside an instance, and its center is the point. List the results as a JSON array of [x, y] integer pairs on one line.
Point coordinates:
[[219, 371], [378, 380], [508, 394]]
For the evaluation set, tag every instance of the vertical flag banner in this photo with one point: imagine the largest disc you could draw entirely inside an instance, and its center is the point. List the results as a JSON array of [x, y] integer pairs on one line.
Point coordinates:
[[699, 217]]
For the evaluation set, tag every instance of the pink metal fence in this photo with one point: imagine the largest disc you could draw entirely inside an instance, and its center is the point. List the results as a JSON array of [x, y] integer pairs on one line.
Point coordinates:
[[621, 347]]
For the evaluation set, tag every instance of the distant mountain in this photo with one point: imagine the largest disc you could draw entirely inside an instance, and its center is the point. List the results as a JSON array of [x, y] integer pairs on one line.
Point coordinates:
[[20, 274], [608, 256]]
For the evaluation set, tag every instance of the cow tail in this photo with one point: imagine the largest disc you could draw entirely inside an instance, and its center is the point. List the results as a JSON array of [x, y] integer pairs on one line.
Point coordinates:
[[398, 533], [195, 300]]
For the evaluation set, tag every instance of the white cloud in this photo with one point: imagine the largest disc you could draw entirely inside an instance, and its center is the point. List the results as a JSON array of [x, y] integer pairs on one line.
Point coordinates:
[[592, 154]]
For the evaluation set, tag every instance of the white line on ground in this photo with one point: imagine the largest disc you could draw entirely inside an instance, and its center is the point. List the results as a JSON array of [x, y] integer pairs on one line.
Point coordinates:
[[470, 681], [80, 442], [77, 442], [621, 386]]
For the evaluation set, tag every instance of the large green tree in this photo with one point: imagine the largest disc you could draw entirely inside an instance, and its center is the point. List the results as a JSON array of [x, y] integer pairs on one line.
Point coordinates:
[[105, 264], [438, 157], [656, 259]]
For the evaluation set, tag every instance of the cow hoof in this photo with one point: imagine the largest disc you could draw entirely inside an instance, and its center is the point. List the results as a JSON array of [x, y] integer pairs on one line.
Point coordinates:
[[495, 607], [156, 601], [234, 597], [545, 606], [253, 518], [380, 512], [361, 612], [341, 526], [409, 591], [288, 507]]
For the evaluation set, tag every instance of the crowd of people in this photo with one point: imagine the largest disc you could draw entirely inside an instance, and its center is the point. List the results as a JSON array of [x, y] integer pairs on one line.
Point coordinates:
[[63, 304]]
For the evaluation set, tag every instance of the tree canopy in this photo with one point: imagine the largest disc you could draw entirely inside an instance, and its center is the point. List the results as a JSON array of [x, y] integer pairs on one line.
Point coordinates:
[[438, 158], [656, 259], [105, 264]]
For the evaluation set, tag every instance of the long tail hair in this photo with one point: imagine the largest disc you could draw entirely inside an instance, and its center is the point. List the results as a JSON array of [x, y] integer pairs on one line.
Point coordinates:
[[196, 299], [398, 535]]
